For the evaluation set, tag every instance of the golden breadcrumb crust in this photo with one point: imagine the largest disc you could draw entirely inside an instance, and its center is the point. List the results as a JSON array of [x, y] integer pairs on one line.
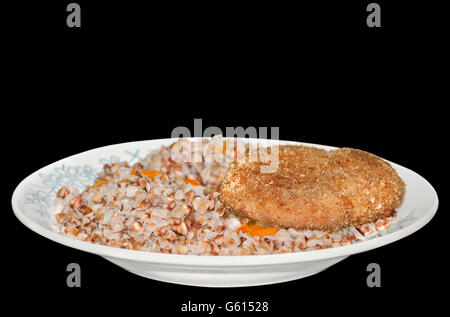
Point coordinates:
[[314, 189]]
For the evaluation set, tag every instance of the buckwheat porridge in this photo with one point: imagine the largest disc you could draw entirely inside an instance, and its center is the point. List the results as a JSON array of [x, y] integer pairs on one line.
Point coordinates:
[[172, 205]]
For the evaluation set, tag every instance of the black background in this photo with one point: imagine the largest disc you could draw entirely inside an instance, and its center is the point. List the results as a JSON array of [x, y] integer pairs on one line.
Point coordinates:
[[135, 72]]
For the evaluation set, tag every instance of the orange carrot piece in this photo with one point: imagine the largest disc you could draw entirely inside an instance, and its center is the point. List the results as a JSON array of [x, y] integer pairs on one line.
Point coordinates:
[[243, 228], [261, 231], [133, 171], [255, 230], [191, 181], [150, 174], [100, 183]]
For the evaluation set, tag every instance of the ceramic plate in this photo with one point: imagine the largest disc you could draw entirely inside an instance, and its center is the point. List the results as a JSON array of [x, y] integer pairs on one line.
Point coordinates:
[[34, 197]]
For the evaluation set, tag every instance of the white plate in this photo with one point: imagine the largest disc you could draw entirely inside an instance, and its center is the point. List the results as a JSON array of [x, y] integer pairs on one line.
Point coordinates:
[[34, 197]]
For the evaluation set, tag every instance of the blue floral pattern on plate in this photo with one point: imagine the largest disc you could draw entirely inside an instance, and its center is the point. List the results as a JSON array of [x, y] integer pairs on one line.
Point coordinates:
[[41, 196]]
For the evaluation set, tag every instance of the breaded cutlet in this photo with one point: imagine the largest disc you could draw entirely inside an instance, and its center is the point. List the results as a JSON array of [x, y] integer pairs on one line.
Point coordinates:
[[314, 189]]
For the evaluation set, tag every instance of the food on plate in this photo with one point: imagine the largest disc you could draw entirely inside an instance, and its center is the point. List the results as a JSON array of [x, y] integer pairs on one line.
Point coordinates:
[[314, 189], [167, 202]]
